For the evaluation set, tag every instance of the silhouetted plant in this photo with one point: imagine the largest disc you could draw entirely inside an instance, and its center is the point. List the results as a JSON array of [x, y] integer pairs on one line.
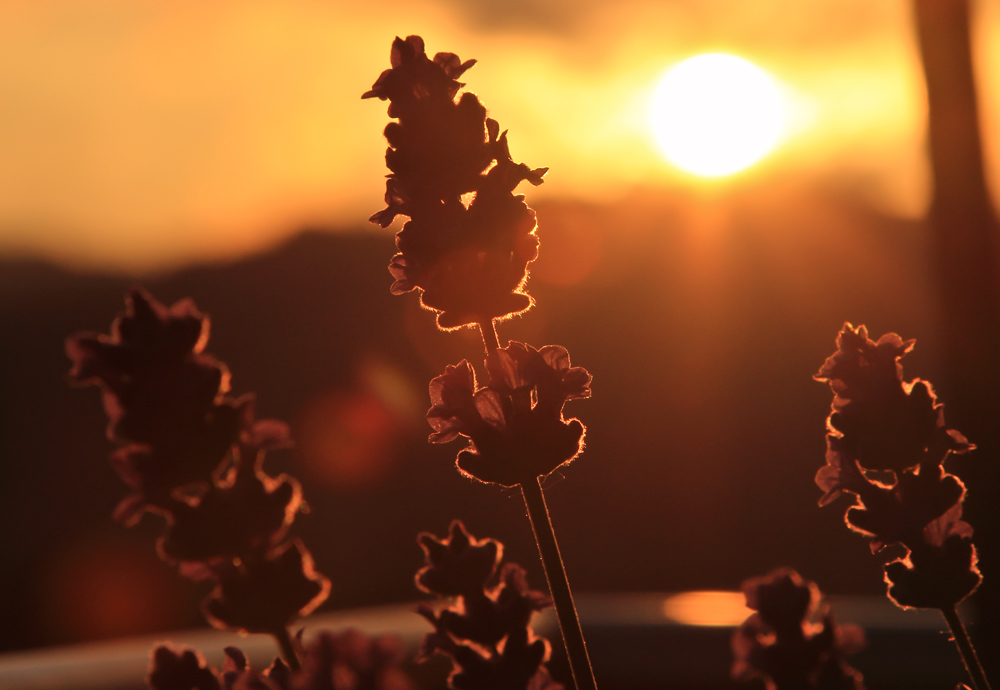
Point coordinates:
[[792, 641], [186, 669], [486, 630], [349, 660], [886, 445], [466, 248], [468, 261], [194, 455], [514, 424]]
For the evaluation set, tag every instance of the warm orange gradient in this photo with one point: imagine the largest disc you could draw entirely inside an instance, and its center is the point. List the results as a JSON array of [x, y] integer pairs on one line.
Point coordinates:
[[108, 588], [144, 134]]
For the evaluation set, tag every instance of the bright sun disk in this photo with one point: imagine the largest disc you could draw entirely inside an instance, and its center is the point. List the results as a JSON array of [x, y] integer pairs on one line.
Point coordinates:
[[716, 114]]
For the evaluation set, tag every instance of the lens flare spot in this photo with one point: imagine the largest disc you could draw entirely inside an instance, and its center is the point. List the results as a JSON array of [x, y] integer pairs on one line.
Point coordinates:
[[395, 389], [348, 439], [344, 439], [105, 589]]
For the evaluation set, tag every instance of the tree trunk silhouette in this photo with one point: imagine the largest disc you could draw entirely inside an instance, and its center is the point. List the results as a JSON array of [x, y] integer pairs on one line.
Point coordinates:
[[964, 230]]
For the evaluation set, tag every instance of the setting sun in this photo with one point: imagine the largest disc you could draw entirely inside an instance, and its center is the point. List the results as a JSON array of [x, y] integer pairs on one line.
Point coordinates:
[[716, 114]]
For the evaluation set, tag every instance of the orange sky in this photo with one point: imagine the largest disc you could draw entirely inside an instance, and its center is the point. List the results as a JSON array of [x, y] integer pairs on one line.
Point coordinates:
[[141, 133]]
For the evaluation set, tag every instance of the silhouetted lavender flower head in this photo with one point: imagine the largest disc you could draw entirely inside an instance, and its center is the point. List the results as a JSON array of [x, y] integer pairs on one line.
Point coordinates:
[[245, 512], [165, 398], [941, 570], [266, 594], [180, 670], [486, 631], [515, 424], [352, 660], [458, 564], [879, 422], [186, 670], [506, 609], [349, 660], [791, 643], [196, 457], [469, 260], [782, 600], [236, 674], [413, 78]]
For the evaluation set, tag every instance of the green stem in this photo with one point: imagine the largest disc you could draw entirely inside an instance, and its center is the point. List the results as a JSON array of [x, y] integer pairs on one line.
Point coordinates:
[[287, 649], [555, 574], [966, 649]]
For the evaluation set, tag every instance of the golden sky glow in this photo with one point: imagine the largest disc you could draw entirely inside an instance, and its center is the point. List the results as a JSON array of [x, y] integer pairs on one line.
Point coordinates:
[[146, 133]]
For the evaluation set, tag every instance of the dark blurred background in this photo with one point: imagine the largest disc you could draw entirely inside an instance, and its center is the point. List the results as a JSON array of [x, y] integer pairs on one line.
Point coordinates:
[[701, 329]]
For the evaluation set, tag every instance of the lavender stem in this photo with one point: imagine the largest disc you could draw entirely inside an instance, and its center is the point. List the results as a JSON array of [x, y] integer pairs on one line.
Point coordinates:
[[966, 649], [555, 574], [490, 338], [287, 649]]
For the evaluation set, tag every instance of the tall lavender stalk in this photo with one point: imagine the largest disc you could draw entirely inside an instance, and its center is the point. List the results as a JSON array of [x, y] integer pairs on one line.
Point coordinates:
[[466, 248], [886, 447], [194, 455]]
